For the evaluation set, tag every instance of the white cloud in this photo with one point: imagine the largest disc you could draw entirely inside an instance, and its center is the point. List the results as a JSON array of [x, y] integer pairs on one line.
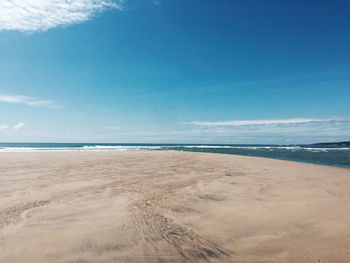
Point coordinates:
[[41, 15], [285, 131], [3, 127], [27, 100], [18, 126], [256, 122]]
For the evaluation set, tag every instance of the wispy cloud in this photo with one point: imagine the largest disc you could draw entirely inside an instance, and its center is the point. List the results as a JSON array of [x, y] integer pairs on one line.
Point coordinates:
[[3, 127], [30, 101], [41, 15], [18, 126], [115, 128], [293, 132], [300, 130], [255, 122]]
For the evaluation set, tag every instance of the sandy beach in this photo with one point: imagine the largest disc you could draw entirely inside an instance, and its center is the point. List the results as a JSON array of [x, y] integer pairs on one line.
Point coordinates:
[[170, 207]]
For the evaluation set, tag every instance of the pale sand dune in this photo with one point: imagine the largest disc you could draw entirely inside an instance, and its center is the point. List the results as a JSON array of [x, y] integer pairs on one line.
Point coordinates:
[[170, 207]]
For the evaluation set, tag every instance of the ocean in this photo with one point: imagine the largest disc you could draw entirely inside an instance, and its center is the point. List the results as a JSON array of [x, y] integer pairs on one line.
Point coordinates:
[[319, 154]]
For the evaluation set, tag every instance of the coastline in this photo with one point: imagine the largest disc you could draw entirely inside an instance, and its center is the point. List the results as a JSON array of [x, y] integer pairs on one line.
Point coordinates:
[[332, 155], [151, 206]]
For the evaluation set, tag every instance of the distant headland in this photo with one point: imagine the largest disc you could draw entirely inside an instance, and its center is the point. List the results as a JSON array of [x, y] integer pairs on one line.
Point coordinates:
[[332, 144]]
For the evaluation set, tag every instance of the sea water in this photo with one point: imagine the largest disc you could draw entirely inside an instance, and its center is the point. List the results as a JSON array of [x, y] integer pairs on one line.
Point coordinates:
[[319, 154]]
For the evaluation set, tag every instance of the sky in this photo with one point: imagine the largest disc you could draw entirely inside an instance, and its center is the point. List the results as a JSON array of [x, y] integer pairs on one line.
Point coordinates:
[[175, 71]]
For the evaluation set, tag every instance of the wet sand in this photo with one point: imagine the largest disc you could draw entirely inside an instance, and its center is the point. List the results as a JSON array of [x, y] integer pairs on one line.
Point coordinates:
[[170, 207]]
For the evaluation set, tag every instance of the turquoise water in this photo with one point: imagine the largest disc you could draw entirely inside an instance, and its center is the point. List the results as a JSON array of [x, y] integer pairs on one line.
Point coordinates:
[[324, 154]]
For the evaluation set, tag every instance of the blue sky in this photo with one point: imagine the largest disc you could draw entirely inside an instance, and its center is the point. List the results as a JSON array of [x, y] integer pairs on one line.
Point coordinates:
[[192, 71]]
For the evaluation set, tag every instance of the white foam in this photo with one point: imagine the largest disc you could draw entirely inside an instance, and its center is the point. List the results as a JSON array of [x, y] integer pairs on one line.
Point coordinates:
[[165, 147], [79, 149]]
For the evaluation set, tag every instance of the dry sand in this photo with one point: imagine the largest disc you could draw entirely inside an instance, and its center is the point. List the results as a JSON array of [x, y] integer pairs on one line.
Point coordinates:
[[170, 207]]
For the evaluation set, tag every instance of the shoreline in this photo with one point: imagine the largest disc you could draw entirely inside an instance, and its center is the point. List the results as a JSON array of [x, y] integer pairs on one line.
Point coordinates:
[[153, 206], [218, 153]]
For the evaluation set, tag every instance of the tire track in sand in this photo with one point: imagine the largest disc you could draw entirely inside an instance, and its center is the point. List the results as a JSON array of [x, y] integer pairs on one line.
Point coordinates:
[[12, 215], [153, 226]]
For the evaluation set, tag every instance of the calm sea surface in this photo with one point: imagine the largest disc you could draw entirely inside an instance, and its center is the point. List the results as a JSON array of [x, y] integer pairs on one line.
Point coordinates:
[[327, 155]]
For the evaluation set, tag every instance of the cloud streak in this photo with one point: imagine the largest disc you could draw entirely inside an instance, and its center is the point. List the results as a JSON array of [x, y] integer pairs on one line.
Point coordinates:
[[3, 127], [284, 131], [41, 15], [30, 101], [18, 126], [256, 122]]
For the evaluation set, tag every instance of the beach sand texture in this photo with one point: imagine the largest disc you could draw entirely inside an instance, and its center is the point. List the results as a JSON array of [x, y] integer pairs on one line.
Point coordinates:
[[80, 207]]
